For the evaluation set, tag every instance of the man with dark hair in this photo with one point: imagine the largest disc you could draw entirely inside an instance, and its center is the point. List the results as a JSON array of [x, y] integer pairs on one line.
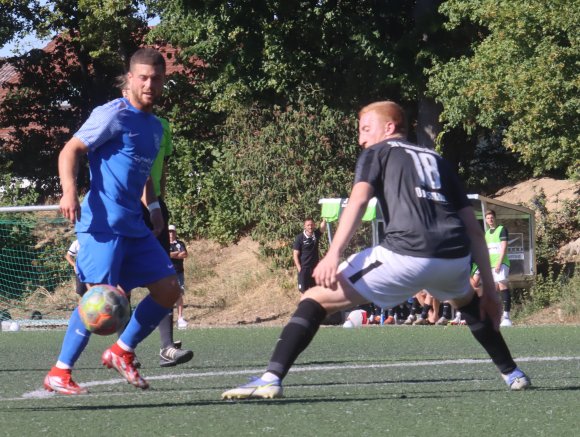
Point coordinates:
[[122, 139], [170, 352], [306, 254], [431, 234]]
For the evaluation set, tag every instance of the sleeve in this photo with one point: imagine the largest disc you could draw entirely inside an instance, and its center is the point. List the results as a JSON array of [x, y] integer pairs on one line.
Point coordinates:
[[504, 235], [73, 249], [297, 243], [101, 126], [367, 167]]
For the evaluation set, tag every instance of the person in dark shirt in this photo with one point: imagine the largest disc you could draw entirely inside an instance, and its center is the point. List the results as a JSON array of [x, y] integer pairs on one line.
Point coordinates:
[[306, 254], [178, 253], [431, 235]]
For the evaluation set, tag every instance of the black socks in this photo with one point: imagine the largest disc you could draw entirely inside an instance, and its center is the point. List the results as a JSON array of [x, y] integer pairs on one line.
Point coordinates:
[[296, 336], [506, 297], [491, 340]]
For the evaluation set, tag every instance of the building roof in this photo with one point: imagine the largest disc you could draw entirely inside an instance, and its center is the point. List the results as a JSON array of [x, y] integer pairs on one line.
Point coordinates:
[[9, 74]]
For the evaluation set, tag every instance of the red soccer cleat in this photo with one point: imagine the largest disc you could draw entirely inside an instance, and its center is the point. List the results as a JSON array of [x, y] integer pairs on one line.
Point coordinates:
[[60, 381], [125, 366]]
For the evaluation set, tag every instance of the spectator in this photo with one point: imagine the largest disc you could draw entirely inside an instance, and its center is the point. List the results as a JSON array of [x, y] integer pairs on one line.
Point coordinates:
[[306, 253], [177, 253], [70, 256], [170, 352]]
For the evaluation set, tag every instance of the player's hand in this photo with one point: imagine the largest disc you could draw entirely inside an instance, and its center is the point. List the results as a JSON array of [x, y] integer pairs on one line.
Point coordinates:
[[497, 268], [70, 207], [325, 272], [157, 221], [490, 307]]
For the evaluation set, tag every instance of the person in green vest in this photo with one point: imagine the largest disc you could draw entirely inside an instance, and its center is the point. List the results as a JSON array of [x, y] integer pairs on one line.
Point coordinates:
[[496, 238], [170, 352]]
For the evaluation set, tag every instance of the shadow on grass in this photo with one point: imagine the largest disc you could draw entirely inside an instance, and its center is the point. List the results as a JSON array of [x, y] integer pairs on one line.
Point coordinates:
[[302, 400]]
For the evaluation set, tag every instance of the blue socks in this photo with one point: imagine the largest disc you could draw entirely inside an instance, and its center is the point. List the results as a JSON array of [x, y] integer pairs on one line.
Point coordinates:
[[143, 322], [75, 340]]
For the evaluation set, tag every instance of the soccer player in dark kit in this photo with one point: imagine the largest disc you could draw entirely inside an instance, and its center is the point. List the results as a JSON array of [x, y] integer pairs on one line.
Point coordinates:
[[430, 238]]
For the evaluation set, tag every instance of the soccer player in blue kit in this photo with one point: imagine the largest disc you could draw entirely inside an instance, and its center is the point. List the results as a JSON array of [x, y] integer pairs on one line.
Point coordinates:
[[430, 237], [122, 139]]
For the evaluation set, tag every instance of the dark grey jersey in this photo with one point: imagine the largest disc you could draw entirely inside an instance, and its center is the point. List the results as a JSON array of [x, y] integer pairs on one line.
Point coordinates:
[[420, 195]]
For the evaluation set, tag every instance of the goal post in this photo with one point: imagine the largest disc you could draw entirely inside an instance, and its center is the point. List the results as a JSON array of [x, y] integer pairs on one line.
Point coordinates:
[[36, 281]]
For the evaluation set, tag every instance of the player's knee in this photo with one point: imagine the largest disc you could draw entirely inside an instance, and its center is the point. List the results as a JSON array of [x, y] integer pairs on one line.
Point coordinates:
[[166, 291]]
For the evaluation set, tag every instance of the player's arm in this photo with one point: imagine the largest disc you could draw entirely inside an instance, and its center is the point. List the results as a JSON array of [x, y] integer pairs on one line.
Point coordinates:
[[70, 259], [296, 258], [182, 254], [149, 198], [68, 167], [503, 245], [489, 300], [322, 226], [325, 272], [163, 180]]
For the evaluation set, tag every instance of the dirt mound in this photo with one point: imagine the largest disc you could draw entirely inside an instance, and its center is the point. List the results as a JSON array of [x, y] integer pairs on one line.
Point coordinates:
[[233, 286], [570, 252], [556, 192]]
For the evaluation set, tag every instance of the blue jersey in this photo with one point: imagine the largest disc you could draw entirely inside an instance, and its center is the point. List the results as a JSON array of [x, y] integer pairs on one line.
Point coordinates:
[[123, 142]]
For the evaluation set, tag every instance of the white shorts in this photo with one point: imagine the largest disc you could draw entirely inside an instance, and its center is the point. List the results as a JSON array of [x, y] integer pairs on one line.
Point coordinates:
[[499, 278], [502, 276], [388, 279]]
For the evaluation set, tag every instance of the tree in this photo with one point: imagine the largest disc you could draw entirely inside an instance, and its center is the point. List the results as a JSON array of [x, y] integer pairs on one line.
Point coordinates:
[[520, 80], [290, 60], [275, 52], [58, 86], [18, 18]]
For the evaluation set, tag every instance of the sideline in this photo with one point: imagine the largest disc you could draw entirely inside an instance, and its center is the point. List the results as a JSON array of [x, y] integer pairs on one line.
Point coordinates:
[[43, 394]]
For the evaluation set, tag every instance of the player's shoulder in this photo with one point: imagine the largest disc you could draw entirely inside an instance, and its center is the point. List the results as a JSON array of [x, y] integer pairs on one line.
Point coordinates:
[[403, 145], [111, 110], [116, 105]]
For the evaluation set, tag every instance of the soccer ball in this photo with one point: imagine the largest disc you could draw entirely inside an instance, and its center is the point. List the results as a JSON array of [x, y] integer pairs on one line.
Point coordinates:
[[104, 309], [356, 319]]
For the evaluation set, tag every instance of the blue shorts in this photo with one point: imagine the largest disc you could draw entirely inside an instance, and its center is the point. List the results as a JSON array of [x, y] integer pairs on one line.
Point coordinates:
[[117, 260]]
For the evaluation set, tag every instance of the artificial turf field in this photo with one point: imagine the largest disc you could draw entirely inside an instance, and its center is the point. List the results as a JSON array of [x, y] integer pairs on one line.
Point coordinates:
[[410, 381]]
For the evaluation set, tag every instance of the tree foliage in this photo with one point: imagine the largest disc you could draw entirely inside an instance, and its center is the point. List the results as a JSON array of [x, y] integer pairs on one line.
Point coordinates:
[[19, 17], [273, 169], [521, 80], [59, 86], [278, 51]]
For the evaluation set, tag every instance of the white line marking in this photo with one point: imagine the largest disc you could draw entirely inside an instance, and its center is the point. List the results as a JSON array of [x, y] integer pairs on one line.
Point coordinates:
[[41, 394]]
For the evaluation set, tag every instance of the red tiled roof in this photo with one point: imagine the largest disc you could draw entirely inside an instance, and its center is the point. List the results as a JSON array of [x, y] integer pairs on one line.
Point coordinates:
[[7, 72], [9, 75]]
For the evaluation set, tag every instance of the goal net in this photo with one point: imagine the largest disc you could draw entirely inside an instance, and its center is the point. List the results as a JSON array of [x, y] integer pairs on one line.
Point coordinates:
[[36, 282]]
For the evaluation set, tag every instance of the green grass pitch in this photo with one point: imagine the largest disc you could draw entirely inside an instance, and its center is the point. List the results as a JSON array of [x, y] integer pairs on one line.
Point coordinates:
[[411, 381]]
